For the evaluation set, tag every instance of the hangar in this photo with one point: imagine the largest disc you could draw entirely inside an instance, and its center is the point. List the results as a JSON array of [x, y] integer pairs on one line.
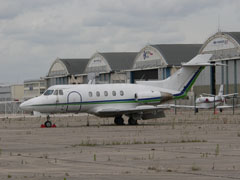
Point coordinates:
[[110, 67], [159, 61], [225, 47], [66, 71]]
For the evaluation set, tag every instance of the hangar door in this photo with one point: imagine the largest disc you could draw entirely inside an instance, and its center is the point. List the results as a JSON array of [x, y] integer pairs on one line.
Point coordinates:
[[144, 75]]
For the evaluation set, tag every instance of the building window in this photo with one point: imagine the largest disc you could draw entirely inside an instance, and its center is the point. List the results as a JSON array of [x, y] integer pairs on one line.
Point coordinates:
[[121, 93], [97, 93], [90, 94], [114, 93], [105, 93]]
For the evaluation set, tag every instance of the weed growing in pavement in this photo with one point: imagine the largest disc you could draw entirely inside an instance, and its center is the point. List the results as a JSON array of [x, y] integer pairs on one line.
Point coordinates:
[[195, 168], [217, 150], [187, 141], [113, 143], [238, 134]]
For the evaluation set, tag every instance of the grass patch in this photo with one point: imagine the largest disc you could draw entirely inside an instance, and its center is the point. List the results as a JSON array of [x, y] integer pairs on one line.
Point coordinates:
[[187, 141], [195, 168], [112, 143], [238, 134]]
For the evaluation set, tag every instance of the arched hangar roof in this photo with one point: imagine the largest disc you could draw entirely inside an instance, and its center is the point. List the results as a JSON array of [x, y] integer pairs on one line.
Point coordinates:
[[110, 61], [165, 54], [174, 54], [63, 67], [223, 45]]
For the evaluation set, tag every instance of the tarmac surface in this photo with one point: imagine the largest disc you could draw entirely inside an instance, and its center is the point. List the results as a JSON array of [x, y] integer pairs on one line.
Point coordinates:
[[182, 146]]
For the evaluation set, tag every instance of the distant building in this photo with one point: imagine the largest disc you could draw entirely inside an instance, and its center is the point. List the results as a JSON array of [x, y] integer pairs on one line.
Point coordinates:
[[67, 71], [225, 47], [11, 92], [34, 88], [109, 67], [159, 61]]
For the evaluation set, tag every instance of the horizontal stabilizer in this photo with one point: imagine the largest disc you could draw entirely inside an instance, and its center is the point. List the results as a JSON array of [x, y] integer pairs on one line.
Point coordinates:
[[199, 60]]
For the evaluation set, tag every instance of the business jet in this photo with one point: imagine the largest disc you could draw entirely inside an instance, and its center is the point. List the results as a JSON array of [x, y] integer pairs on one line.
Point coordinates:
[[210, 101], [137, 101]]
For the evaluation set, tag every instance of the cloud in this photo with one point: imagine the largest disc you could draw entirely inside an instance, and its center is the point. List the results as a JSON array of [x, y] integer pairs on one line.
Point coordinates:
[[34, 33]]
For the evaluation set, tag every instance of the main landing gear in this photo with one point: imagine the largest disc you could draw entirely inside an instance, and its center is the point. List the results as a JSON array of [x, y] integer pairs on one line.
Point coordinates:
[[120, 121], [132, 121]]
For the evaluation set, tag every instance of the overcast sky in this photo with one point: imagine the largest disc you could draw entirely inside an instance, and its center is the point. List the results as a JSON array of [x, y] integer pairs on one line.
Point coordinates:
[[33, 33]]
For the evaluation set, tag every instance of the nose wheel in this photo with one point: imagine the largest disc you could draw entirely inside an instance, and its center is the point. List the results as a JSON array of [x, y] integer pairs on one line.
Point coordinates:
[[48, 123]]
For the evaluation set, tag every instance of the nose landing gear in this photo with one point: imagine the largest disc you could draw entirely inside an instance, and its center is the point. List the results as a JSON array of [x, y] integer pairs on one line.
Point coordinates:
[[48, 123]]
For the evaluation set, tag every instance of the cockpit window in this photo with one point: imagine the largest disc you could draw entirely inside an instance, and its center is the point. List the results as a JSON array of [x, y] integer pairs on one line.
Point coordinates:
[[60, 92], [48, 92], [55, 92]]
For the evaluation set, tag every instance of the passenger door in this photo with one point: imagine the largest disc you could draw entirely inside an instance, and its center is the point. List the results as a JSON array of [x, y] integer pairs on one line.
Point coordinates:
[[74, 100]]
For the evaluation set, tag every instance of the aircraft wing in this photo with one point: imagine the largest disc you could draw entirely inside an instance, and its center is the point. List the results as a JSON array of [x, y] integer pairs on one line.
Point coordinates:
[[137, 110], [230, 95], [183, 106], [224, 107], [228, 106], [188, 106]]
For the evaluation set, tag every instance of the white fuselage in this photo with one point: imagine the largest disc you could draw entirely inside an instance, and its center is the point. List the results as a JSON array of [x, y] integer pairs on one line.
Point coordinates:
[[89, 97], [208, 102]]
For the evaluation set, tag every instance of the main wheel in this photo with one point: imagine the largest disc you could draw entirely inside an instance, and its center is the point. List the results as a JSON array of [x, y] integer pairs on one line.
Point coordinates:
[[196, 110], [48, 124], [119, 121], [132, 121]]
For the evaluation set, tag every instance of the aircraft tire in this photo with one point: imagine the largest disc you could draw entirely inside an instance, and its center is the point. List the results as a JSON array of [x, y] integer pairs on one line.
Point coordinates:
[[119, 121], [132, 121], [48, 124]]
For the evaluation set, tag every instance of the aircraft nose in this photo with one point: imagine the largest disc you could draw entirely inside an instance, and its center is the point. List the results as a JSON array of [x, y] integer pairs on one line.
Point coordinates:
[[26, 106], [23, 106]]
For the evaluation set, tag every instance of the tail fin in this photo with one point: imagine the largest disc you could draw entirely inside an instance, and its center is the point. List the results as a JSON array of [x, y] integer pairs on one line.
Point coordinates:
[[182, 80], [220, 93]]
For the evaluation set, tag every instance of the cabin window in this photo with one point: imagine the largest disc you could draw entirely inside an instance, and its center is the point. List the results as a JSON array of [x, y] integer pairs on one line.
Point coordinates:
[[121, 93], [55, 92], [97, 93], [60, 92], [114, 93], [105, 93], [48, 92], [90, 94]]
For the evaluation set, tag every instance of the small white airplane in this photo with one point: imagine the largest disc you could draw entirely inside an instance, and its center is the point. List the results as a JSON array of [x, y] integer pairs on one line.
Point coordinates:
[[137, 101], [209, 101]]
